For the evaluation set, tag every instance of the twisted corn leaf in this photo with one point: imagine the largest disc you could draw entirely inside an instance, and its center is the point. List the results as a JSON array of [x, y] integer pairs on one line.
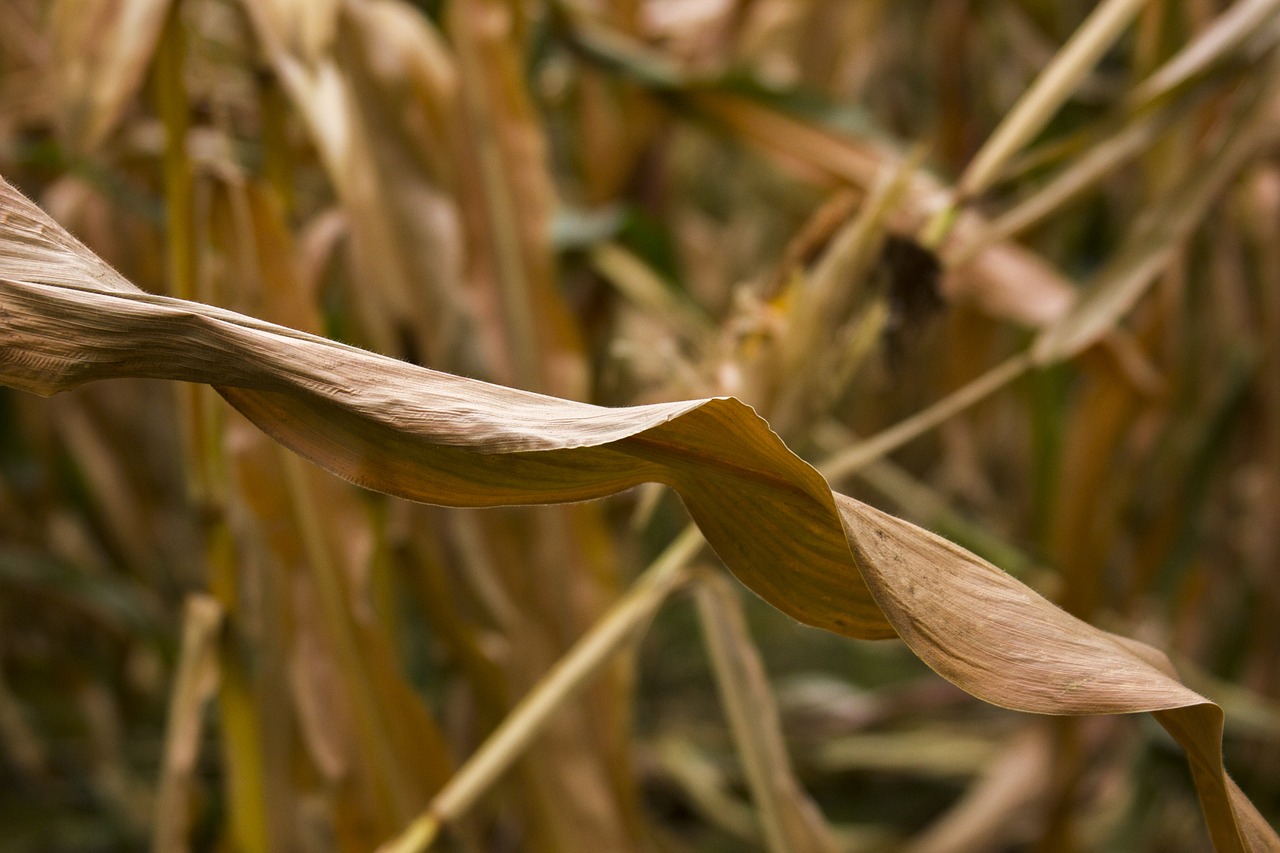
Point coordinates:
[[67, 318]]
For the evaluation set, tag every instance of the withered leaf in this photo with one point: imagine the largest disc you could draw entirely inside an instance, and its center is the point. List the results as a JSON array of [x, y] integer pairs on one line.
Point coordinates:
[[823, 558]]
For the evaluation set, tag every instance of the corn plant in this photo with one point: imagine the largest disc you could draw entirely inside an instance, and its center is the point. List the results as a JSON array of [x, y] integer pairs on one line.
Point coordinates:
[[428, 359]]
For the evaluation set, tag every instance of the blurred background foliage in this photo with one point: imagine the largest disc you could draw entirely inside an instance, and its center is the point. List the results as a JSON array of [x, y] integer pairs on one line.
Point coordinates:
[[208, 644]]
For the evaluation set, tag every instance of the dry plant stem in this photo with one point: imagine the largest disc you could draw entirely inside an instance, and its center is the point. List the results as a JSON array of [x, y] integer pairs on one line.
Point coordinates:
[[326, 575], [200, 423], [850, 250], [571, 672], [171, 105], [238, 710], [1034, 109], [987, 813], [801, 376], [1225, 35], [1083, 173], [849, 255], [789, 820], [704, 781], [854, 345], [1156, 238], [1233, 27], [1054, 85], [847, 462], [518, 315], [193, 684], [643, 286]]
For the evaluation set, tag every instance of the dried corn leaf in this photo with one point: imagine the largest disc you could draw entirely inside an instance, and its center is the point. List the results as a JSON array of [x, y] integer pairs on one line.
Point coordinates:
[[823, 558]]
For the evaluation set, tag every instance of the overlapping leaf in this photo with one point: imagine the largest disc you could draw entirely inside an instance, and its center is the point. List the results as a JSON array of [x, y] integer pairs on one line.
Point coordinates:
[[825, 559]]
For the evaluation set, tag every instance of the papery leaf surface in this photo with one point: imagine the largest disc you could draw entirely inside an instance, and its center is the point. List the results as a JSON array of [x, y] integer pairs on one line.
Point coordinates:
[[823, 558]]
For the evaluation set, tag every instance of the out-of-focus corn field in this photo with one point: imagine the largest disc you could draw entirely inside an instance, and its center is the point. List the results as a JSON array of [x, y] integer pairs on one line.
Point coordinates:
[[1007, 269]]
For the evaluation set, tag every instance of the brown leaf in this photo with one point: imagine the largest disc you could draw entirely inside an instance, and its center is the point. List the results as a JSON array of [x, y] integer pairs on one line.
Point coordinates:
[[823, 558]]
